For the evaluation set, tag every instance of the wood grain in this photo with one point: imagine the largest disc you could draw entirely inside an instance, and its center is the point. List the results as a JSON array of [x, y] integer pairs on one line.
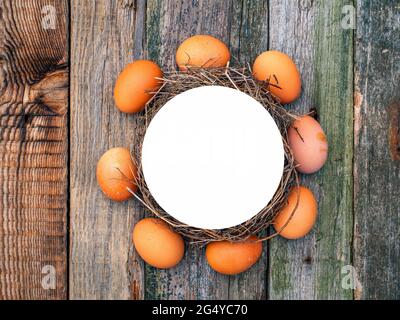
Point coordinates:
[[33, 148], [243, 26], [377, 150], [248, 38], [359, 221], [310, 32], [105, 36]]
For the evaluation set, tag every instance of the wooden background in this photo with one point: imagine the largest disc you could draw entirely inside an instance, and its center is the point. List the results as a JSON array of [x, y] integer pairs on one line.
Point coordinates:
[[57, 117]]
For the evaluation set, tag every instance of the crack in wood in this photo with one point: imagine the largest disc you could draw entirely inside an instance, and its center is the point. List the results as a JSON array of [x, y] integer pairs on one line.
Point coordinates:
[[394, 130]]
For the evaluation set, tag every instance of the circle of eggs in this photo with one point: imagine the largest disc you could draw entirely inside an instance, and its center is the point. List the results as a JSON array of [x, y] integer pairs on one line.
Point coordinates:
[[153, 239]]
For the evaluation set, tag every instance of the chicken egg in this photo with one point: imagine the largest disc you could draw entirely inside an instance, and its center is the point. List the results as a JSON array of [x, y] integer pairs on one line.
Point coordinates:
[[303, 218], [281, 74], [233, 257], [308, 143], [136, 84], [157, 243], [116, 173], [202, 51]]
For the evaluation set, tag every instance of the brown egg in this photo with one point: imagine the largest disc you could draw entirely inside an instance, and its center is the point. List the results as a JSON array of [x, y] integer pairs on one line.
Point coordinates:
[[279, 70], [308, 143], [202, 51], [303, 218], [134, 85], [233, 257], [157, 243], [115, 173]]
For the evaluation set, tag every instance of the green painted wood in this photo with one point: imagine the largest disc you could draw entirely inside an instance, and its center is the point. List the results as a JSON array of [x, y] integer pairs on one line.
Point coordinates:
[[249, 30], [311, 32], [377, 150], [243, 26]]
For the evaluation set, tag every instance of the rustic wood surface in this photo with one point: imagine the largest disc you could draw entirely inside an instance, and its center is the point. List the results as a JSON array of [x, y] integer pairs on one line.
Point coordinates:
[[103, 39], [167, 27], [311, 33], [377, 150], [34, 149], [53, 213]]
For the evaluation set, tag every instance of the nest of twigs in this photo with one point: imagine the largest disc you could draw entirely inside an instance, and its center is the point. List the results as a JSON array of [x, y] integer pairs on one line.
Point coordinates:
[[176, 82]]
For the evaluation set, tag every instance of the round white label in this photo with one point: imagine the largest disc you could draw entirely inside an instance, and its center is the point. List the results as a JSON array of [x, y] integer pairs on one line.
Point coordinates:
[[212, 157]]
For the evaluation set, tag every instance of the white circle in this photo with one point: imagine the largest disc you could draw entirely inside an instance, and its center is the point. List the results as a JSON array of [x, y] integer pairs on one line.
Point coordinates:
[[212, 157]]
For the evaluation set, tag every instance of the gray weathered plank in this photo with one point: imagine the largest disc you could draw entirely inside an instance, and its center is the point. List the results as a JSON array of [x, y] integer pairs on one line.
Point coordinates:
[[311, 32], [105, 36], [33, 148], [248, 38], [377, 150], [243, 26]]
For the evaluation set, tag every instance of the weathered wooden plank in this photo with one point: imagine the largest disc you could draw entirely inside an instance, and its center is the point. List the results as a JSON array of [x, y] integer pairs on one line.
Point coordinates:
[[105, 36], [33, 112], [311, 32], [377, 150], [249, 30], [248, 38], [243, 26]]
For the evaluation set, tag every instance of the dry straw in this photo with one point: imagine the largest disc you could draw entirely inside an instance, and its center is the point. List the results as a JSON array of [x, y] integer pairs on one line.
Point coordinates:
[[176, 82]]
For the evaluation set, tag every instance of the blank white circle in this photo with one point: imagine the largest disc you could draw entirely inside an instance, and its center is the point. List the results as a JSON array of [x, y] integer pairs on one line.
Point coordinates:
[[212, 157]]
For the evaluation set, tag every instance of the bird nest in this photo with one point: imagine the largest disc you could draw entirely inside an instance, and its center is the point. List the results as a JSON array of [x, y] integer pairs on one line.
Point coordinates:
[[176, 82]]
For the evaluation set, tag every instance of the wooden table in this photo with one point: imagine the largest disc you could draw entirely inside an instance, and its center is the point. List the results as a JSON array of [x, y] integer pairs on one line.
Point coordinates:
[[58, 65]]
